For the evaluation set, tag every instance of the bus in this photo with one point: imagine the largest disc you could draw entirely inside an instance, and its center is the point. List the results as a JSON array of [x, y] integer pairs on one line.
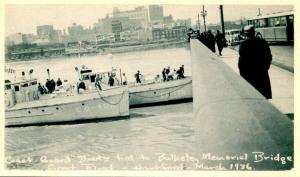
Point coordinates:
[[276, 27]]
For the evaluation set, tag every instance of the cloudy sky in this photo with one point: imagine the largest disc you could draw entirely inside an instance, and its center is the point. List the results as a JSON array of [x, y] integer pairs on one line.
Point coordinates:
[[25, 18]]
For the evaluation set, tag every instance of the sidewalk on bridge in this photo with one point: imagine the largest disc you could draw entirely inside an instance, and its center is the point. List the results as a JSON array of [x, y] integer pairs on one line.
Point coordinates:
[[282, 82]]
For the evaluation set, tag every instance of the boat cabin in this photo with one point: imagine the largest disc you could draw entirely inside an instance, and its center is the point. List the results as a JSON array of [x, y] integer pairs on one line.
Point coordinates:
[[89, 78], [20, 91]]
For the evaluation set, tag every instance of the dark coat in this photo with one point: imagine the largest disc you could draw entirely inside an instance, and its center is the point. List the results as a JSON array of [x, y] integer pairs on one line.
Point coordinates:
[[254, 63], [211, 42]]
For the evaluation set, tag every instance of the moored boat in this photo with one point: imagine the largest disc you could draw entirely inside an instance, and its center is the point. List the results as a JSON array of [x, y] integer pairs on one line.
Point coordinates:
[[24, 106], [152, 93], [146, 93]]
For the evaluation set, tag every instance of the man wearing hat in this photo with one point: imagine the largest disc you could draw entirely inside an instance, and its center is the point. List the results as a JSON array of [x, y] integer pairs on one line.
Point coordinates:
[[254, 62]]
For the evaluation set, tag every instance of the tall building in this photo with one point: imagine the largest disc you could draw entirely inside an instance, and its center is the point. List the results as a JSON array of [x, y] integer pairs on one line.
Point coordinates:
[[44, 31], [116, 27], [55, 36], [156, 13], [139, 15], [106, 25], [78, 33]]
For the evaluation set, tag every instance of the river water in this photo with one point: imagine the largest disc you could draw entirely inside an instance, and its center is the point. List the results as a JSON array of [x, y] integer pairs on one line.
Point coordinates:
[[153, 138]]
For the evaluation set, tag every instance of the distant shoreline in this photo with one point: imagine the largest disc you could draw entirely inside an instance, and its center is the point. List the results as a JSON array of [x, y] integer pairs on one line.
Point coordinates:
[[113, 50]]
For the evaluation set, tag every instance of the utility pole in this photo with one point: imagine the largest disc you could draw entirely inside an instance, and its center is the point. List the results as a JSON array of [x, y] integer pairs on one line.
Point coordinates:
[[222, 19], [199, 22], [204, 13], [259, 14]]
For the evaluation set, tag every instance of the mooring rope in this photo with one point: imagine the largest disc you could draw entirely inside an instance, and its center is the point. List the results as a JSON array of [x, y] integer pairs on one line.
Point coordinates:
[[106, 101]]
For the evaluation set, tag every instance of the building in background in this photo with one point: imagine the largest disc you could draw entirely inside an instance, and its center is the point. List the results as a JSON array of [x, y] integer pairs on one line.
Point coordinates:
[[136, 35], [44, 31], [156, 13], [116, 27], [14, 39], [28, 38], [139, 16], [78, 33], [105, 38], [174, 33]]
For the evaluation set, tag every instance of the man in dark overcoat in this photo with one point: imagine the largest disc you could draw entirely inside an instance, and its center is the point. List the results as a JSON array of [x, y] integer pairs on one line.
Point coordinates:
[[254, 62]]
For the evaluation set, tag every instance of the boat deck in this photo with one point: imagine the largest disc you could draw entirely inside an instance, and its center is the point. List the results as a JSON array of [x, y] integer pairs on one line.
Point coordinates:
[[67, 99]]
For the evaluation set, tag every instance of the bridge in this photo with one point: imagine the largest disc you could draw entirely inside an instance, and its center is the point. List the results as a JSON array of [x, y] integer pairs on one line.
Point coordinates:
[[234, 118]]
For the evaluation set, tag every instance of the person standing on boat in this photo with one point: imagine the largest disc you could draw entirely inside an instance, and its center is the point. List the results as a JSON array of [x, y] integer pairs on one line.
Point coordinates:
[[181, 71], [97, 82], [164, 74], [58, 82], [111, 80], [40, 89], [168, 72], [48, 85], [124, 79], [81, 87], [138, 77], [52, 85]]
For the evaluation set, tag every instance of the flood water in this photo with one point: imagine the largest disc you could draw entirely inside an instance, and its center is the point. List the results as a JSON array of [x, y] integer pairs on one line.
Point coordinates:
[[150, 139]]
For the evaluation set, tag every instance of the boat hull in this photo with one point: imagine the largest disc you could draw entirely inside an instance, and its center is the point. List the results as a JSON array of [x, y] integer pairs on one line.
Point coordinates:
[[155, 93], [107, 104]]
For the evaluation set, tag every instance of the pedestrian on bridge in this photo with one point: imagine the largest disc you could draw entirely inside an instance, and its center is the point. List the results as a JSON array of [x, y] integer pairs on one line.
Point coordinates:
[[211, 41], [220, 41], [254, 62]]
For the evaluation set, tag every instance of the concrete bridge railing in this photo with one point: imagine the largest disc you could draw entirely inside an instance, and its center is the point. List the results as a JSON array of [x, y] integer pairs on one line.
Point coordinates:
[[233, 119]]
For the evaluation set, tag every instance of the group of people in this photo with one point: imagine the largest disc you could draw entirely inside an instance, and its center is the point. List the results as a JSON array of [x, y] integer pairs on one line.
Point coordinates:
[[208, 39], [254, 57], [111, 80], [168, 75], [50, 86]]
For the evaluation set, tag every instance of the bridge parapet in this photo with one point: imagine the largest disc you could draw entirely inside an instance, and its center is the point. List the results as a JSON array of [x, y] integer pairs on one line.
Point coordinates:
[[233, 118]]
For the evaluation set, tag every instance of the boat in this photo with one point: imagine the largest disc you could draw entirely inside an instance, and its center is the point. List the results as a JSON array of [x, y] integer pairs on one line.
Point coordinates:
[[149, 92], [25, 106], [154, 93]]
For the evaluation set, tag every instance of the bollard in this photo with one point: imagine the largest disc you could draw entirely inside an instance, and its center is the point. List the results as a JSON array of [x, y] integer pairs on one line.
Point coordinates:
[[234, 120]]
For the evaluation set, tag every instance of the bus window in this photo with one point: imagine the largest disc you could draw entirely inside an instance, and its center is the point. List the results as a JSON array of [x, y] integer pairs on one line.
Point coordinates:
[[271, 22], [282, 21], [250, 22], [262, 22], [277, 21]]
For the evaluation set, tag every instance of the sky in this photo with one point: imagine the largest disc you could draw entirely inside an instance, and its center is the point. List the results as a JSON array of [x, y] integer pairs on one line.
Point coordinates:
[[25, 18]]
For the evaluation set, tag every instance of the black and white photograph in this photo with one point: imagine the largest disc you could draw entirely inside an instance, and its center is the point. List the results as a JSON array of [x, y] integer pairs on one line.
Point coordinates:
[[148, 87]]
